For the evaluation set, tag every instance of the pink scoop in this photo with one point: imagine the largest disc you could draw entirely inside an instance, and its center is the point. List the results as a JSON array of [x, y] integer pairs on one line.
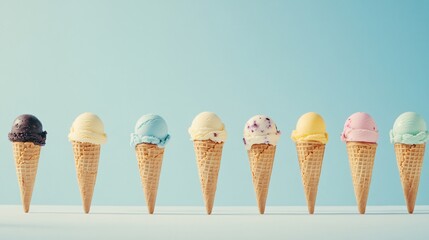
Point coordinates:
[[360, 127]]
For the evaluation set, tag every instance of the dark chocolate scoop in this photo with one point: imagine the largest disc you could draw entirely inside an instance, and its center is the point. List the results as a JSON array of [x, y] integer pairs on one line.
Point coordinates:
[[27, 128]]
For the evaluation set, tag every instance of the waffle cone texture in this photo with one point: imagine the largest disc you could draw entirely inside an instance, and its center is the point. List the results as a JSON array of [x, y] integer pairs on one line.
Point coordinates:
[[208, 155], [261, 159], [149, 158], [86, 156], [361, 159], [26, 156], [410, 161], [310, 158]]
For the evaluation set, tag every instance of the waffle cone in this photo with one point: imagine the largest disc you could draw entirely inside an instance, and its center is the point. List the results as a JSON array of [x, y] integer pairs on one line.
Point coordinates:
[[208, 154], [361, 158], [26, 156], [261, 159], [310, 158], [86, 156], [149, 157], [410, 161]]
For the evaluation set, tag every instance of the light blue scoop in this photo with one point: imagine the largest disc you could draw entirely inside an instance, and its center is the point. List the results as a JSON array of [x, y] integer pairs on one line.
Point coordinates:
[[150, 128], [409, 128]]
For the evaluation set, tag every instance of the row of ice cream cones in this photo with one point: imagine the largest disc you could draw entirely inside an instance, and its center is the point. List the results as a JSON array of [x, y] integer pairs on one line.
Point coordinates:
[[208, 135], [409, 135]]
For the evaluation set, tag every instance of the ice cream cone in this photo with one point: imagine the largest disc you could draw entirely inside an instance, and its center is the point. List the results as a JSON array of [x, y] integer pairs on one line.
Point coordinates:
[[410, 161], [149, 157], [208, 154], [310, 158], [261, 159], [361, 158], [86, 157], [26, 156]]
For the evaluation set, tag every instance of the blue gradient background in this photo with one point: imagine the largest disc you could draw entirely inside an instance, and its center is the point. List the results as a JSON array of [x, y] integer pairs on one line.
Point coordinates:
[[122, 59]]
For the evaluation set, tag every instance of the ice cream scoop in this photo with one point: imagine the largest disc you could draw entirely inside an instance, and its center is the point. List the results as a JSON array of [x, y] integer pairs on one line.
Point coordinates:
[[207, 126], [360, 127], [27, 128], [310, 127], [88, 128], [151, 129], [409, 128], [260, 129]]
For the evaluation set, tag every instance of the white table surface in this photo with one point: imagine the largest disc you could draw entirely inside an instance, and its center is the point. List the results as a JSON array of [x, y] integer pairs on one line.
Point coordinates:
[[133, 222]]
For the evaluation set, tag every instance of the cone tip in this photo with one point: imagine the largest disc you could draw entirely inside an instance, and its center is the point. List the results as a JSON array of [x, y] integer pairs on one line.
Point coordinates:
[[311, 209], [410, 208], [209, 208], [362, 209], [26, 208], [86, 209], [150, 208], [261, 209]]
